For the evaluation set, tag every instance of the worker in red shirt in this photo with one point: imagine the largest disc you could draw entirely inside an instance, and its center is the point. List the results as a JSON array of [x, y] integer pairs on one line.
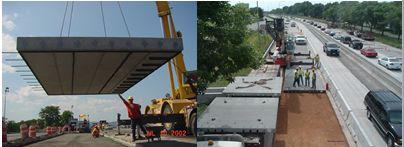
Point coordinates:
[[134, 115]]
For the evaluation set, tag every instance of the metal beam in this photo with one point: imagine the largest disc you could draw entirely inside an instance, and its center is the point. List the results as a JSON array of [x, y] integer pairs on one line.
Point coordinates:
[[32, 82], [22, 71], [19, 66], [14, 60], [26, 75], [29, 79], [34, 85]]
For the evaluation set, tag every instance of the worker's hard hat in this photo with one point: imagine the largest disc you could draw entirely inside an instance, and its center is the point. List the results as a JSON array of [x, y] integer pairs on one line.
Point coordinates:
[[317, 53], [297, 68], [313, 69], [300, 66], [130, 98]]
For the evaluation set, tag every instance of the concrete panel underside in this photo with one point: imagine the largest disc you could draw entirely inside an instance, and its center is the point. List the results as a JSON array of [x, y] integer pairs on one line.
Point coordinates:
[[94, 65], [246, 114], [255, 86]]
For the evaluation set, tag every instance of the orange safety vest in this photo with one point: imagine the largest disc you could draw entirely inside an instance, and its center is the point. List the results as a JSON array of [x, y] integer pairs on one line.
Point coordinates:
[[307, 74]]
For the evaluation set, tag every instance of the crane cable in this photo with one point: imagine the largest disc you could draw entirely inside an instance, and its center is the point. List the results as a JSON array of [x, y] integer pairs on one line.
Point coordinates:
[[102, 11], [64, 17], [71, 15], [124, 19]]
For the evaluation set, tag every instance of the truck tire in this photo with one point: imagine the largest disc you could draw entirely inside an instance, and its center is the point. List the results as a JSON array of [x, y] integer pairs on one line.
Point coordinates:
[[172, 126], [368, 115], [193, 119]]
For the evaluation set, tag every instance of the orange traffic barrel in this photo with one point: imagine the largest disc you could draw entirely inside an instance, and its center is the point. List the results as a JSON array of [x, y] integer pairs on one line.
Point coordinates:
[[24, 131], [60, 129], [4, 132], [32, 130], [48, 130], [69, 130], [53, 130]]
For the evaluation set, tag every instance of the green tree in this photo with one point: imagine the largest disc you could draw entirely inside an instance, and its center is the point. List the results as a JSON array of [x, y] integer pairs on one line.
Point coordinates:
[[12, 126], [222, 46], [253, 11], [65, 116], [50, 115]]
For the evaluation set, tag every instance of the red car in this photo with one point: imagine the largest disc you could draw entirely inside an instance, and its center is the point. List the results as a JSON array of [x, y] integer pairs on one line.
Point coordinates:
[[322, 29], [369, 52]]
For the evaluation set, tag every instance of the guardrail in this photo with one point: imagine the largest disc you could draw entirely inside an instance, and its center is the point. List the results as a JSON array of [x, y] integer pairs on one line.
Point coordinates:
[[354, 127]]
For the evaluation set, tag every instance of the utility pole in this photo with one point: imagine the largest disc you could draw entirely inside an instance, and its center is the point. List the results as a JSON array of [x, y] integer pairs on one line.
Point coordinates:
[[258, 23], [5, 100]]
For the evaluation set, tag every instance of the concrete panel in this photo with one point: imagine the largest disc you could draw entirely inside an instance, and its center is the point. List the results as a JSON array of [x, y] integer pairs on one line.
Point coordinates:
[[260, 116], [107, 67], [44, 68], [64, 62], [94, 65], [257, 90]]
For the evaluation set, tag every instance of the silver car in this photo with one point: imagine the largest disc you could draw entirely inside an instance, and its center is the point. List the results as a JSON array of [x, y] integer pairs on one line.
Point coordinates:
[[327, 31], [390, 62], [338, 36]]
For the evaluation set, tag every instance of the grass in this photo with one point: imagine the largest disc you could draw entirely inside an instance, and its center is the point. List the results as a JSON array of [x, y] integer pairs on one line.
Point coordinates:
[[201, 109]]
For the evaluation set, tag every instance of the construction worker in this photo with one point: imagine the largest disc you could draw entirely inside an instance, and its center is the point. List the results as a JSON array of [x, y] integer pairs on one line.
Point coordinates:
[[296, 74], [96, 131], [134, 115], [301, 75], [287, 61], [307, 77], [317, 58], [314, 79]]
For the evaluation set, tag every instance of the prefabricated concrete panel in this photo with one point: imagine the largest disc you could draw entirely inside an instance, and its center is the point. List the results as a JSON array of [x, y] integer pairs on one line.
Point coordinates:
[[257, 90], [94, 65], [241, 115]]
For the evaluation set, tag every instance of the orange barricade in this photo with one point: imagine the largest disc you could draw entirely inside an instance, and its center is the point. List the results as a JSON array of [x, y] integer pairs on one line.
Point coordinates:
[[24, 131], [48, 130], [4, 132], [32, 130], [69, 130], [60, 129], [53, 130]]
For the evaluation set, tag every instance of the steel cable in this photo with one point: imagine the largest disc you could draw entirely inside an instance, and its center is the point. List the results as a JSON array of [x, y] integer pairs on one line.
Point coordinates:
[[71, 15], [102, 11], [64, 17], [124, 19]]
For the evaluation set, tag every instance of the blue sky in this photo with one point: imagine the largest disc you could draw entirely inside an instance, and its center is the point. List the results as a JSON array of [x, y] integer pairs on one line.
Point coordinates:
[[40, 19]]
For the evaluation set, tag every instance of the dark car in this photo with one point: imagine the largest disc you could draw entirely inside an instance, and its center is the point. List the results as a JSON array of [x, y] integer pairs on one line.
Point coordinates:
[[345, 39], [304, 20], [384, 109], [367, 37], [331, 48], [356, 44], [315, 24], [311, 22], [332, 33], [319, 26]]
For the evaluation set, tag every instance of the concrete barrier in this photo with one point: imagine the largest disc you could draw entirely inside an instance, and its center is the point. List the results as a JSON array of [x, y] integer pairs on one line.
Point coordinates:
[[354, 127]]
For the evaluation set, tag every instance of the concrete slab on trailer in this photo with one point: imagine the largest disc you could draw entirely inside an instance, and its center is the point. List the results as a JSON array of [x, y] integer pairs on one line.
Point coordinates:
[[94, 65], [265, 71], [241, 115], [257, 89], [289, 79]]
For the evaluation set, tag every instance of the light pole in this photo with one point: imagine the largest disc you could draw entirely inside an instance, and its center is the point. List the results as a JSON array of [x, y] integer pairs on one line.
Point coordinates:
[[5, 99]]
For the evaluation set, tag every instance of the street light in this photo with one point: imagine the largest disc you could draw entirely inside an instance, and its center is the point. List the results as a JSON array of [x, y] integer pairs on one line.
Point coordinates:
[[5, 94]]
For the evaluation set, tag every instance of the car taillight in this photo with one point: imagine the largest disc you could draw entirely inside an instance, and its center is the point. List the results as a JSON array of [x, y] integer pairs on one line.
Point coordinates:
[[399, 141], [392, 63], [344, 40]]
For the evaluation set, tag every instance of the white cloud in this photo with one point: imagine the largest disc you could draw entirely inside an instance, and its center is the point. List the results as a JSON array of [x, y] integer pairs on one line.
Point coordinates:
[[8, 68], [9, 44], [29, 97], [11, 97], [8, 23], [30, 108]]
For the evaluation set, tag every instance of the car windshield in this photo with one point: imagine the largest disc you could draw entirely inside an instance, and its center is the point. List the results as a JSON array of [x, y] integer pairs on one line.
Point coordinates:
[[396, 117], [332, 45], [394, 60], [300, 37]]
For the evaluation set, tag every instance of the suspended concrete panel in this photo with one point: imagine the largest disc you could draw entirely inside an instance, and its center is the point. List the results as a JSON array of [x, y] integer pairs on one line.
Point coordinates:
[[94, 65]]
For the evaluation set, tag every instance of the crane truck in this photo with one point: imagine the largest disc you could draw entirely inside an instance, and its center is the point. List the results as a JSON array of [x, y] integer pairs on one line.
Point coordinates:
[[178, 110], [276, 29]]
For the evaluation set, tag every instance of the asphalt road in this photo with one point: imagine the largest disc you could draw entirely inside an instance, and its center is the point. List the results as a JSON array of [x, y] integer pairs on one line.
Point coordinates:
[[77, 139], [254, 26]]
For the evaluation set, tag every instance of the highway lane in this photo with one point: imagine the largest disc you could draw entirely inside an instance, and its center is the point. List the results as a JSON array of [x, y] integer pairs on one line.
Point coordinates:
[[351, 88]]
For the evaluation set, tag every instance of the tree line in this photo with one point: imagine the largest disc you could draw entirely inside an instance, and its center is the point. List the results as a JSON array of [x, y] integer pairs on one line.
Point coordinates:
[[376, 14], [48, 116]]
